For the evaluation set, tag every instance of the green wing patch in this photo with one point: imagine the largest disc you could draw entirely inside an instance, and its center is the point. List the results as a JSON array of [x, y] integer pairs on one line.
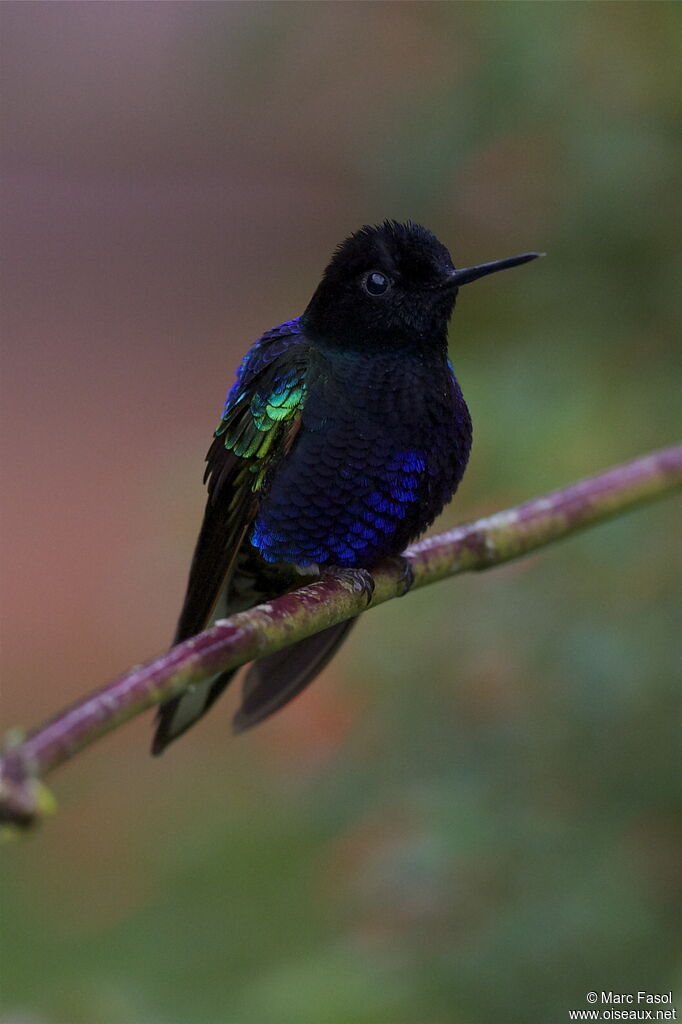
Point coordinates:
[[258, 424]]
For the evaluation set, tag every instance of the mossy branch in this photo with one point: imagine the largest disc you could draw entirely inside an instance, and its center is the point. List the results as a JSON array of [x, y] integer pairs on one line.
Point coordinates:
[[268, 627]]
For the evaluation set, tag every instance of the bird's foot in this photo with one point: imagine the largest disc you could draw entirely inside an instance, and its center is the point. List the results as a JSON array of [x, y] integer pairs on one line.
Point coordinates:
[[404, 565], [359, 581]]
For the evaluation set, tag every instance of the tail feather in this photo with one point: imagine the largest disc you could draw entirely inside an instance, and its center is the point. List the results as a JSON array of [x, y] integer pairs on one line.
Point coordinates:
[[270, 682], [274, 680], [179, 714]]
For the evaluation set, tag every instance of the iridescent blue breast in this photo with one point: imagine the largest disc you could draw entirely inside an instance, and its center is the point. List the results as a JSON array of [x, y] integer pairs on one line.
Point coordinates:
[[380, 450]]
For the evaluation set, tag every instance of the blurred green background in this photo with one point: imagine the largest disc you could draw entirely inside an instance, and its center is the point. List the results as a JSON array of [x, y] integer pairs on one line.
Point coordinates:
[[474, 815]]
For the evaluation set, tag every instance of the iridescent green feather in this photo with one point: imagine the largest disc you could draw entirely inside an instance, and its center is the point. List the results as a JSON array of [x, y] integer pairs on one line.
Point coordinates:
[[252, 429]]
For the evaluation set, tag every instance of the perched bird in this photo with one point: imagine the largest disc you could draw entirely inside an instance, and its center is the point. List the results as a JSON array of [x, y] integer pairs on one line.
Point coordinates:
[[344, 435]]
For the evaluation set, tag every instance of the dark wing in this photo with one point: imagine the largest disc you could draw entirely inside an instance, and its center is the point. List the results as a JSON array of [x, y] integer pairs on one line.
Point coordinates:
[[259, 421], [260, 416], [274, 680]]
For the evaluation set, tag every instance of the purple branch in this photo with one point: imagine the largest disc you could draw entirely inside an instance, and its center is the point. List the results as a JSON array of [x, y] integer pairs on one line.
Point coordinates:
[[251, 634]]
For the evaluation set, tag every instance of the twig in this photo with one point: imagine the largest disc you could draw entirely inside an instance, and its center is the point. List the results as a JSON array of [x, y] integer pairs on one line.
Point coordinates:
[[251, 634]]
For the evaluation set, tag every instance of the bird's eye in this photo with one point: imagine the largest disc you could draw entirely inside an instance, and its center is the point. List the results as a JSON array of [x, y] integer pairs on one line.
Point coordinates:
[[375, 283]]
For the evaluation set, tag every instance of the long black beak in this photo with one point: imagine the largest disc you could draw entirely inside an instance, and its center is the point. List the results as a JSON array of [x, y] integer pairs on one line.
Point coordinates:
[[467, 274]]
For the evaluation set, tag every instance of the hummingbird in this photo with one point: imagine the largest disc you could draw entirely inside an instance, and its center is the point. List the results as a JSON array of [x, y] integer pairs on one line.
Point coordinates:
[[344, 434]]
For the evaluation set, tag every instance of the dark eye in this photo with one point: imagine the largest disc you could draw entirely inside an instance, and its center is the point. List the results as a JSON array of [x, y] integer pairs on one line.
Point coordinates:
[[375, 283]]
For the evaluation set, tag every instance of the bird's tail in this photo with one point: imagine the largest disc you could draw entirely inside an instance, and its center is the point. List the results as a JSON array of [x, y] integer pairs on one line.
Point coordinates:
[[179, 714], [269, 684], [272, 681]]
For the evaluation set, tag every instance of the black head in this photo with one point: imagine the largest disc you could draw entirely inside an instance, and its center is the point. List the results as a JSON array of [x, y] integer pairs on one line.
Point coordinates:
[[389, 286]]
